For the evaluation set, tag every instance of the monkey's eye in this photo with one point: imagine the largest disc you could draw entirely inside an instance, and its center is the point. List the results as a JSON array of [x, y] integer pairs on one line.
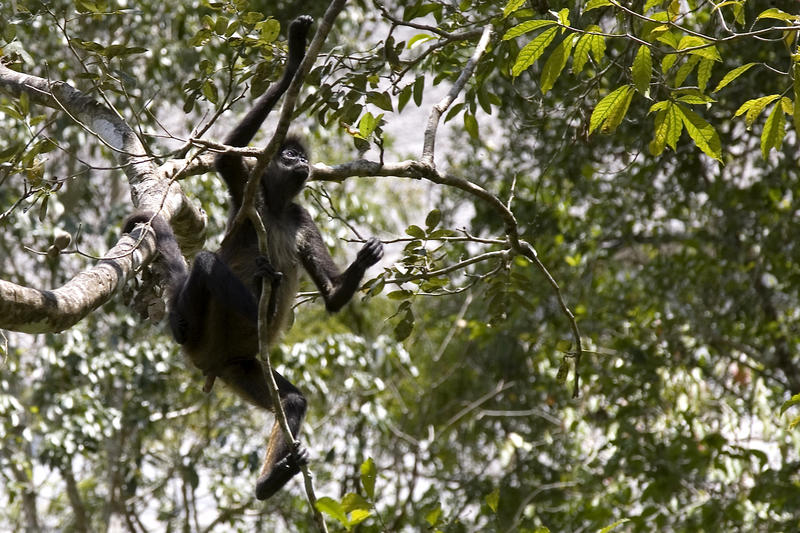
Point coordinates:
[[292, 154]]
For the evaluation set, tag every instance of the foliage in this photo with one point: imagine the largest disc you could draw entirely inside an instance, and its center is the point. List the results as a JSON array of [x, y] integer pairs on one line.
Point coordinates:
[[439, 403]]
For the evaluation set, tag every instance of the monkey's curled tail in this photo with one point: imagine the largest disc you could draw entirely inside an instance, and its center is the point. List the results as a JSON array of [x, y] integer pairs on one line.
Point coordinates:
[[175, 271]]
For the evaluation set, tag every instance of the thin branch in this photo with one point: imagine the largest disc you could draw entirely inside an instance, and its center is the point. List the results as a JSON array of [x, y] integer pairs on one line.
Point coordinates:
[[249, 211], [438, 109], [418, 170]]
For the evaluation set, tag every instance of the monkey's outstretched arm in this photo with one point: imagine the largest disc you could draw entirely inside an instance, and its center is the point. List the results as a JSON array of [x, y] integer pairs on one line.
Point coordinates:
[[231, 166], [337, 287]]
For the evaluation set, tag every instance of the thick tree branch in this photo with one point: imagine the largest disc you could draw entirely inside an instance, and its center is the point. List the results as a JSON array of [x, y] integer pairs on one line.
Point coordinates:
[[38, 311]]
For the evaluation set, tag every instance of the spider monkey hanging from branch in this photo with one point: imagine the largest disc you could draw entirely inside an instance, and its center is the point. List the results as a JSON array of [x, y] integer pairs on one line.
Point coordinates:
[[213, 309]]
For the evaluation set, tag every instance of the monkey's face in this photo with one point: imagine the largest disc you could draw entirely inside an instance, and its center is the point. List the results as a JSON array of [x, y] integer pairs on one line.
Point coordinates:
[[288, 172], [293, 158]]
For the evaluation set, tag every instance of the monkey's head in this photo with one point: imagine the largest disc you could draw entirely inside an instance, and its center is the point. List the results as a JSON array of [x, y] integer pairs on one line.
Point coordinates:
[[288, 171]]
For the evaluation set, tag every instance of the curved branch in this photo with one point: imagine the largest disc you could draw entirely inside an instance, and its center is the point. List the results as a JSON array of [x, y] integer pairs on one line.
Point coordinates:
[[418, 170], [38, 311]]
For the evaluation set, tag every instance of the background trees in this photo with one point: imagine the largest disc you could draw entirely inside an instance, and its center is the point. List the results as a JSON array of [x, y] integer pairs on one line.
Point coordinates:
[[644, 149]]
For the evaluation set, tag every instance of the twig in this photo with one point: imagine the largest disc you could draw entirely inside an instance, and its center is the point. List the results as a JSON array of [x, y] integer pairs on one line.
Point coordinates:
[[447, 101]]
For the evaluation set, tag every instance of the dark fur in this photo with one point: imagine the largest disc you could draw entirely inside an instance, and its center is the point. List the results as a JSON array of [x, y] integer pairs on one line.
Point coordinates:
[[213, 308]]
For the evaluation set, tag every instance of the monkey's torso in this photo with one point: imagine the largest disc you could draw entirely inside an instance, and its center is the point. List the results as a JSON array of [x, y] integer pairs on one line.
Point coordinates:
[[230, 336]]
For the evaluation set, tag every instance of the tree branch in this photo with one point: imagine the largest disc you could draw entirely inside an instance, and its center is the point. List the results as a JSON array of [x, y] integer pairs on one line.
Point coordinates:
[[32, 310], [438, 109], [249, 211]]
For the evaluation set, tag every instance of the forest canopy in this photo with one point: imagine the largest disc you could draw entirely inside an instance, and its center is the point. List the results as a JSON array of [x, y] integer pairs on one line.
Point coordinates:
[[586, 318]]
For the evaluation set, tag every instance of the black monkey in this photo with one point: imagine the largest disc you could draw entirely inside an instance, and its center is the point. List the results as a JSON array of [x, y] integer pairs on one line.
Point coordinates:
[[213, 308]]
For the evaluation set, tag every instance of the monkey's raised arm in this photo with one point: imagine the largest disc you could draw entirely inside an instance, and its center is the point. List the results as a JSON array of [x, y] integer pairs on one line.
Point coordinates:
[[231, 166]]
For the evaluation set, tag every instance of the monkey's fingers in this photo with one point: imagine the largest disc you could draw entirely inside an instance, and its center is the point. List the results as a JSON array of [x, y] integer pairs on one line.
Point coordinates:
[[300, 454], [301, 23], [370, 253]]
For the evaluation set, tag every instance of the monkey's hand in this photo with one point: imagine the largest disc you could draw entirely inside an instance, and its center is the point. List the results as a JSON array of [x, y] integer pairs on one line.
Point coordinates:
[[298, 30], [264, 269], [301, 24], [370, 253]]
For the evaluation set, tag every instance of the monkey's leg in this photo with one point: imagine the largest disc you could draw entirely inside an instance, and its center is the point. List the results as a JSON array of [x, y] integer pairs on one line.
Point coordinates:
[[282, 462], [210, 278]]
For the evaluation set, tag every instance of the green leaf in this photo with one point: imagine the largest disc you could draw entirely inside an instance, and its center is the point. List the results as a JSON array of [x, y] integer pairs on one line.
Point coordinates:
[[532, 51], [794, 400], [525, 27], [419, 38], [471, 125], [404, 328], [367, 124], [432, 516], [210, 92], [702, 133], [695, 99], [669, 38], [642, 69], [796, 87], [595, 4], [668, 128], [786, 104], [368, 475], [774, 131], [382, 100], [354, 502], [754, 107], [704, 73], [250, 18], [493, 499], [358, 515], [415, 231], [732, 75], [403, 97], [667, 62], [402, 294], [598, 44], [563, 17], [555, 63], [512, 6], [610, 111], [651, 4], [608, 528], [582, 48], [777, 14], [332, 508], [708, 50], [685, 69], [419, 86], [269, 30], [433, 219], [563, 371]]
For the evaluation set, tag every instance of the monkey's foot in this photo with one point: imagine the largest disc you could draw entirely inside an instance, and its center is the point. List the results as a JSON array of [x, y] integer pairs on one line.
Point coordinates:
[[284, 470]]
